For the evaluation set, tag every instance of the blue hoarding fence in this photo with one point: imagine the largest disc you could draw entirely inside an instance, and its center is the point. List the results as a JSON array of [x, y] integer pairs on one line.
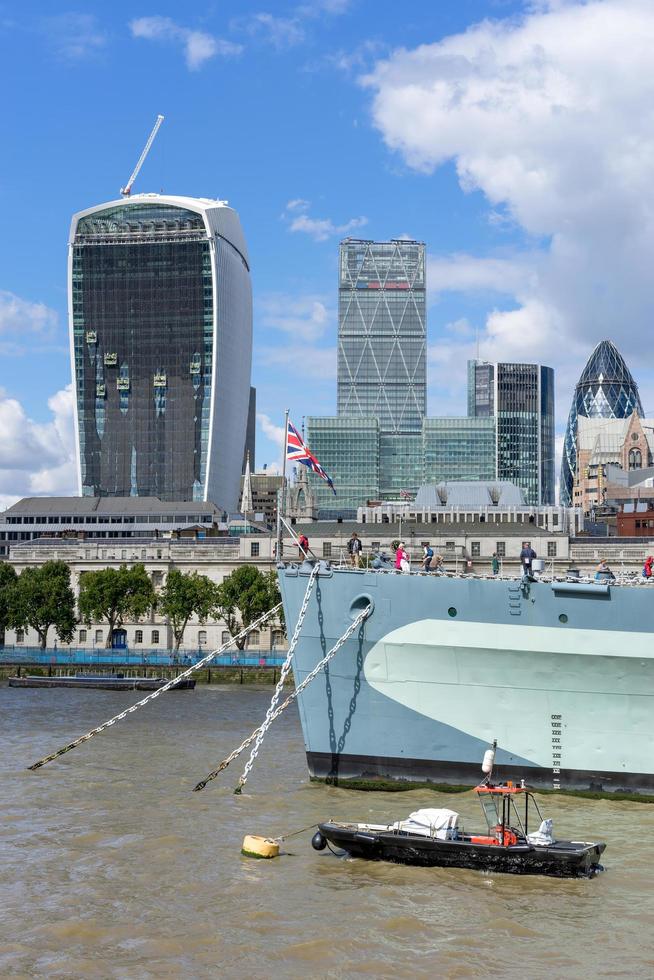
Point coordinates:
[[106, 657]]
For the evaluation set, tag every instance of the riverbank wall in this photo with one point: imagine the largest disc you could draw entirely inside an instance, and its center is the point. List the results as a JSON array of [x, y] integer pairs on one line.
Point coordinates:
[[207, 675]]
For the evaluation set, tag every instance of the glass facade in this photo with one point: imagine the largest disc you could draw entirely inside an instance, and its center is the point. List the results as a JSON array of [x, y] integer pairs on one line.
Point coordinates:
[[381, 367], [547, 438], [458, 449], [400, 464], [606, 389], [145, 330], [520, 397], [481, 389], [348, 449]]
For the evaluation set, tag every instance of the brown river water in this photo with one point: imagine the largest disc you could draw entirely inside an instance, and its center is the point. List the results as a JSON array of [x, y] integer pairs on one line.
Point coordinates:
[[110, 866]]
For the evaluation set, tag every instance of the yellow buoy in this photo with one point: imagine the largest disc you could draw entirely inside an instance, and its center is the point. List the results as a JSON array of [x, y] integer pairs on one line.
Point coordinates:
[[259, 847]]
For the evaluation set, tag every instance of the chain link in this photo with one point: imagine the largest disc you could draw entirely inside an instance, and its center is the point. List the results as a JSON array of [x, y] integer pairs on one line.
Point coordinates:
[[289, 700], [139, 704], [280, 684]]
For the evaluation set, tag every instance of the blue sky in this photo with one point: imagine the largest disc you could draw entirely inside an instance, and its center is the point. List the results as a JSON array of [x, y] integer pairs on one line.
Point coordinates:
[[514, 138]]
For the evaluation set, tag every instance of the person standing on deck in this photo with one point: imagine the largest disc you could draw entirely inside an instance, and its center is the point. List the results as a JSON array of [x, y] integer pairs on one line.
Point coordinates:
[[354, 548], [495, 564], [526, 557], [427, 557], [402, 562], [303, 547]]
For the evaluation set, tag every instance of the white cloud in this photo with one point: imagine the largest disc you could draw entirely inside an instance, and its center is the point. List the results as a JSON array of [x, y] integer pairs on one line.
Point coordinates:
[[271, 431], [357, 59], [305, 362], [281, 32], [468, 273], [198, 46], [75, 37], [306, 317], [549, 116], [460, 327], [317, 7], [297, 204], [288, 32], [22, 316], [37, 458], [320, 229]]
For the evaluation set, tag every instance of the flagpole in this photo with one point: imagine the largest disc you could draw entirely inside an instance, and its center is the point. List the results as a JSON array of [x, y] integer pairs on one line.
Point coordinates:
[[281, 501]]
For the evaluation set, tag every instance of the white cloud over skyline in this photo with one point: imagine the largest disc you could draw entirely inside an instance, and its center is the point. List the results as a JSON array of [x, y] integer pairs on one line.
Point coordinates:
[[549, 117], [288, 31], [18, 316], [74, 36], [306, 317], [37, 458], [198, 46], [320, 229]]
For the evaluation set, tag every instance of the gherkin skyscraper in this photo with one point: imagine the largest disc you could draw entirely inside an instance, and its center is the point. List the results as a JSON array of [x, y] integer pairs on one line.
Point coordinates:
[[607, 390]]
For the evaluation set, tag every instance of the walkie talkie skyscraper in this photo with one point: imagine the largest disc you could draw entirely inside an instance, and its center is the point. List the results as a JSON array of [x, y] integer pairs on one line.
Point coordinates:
[[160, 315]]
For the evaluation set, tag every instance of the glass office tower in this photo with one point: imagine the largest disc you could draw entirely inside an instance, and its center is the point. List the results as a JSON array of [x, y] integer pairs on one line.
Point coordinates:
[[605, 390], [458, 449], [160, 315], [520, 397], [348, 449], [381, 367]]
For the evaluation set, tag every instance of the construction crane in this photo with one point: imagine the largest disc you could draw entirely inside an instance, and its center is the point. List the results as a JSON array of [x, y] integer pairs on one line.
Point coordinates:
[[127, 189]]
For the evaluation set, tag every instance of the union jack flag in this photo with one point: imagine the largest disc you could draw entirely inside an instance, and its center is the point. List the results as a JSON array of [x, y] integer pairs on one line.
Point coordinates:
[[405, 495], [297, 452]]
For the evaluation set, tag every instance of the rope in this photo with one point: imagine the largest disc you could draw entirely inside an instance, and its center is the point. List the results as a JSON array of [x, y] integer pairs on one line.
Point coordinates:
[[280, 684], [295, 833], [289, 700], [155, 694]]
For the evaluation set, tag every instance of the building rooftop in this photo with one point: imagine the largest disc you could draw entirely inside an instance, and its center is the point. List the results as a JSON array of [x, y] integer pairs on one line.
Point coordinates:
[[74, 506], [469, 494], [605, 438], [218, 215], [411, 529]]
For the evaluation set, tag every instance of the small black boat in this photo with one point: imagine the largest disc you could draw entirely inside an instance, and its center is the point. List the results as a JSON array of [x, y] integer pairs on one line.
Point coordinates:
[[433, 838]]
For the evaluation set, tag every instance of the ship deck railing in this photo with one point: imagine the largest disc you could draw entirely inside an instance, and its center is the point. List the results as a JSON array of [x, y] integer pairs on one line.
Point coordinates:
[[621, 577]]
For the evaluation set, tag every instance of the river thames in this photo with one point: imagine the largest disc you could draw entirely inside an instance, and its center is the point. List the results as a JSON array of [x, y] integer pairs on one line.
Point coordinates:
[[111, 867]]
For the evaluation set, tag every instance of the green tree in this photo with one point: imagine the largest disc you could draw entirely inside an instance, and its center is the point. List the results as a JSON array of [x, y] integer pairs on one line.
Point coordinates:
[[7, 585], [245, 595], [42, 597], [183, 596], [114, 595]]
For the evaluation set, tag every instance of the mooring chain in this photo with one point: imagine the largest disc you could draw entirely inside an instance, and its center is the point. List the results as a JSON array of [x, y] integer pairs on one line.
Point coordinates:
[[289, 700], [160, 690], [280, 684]]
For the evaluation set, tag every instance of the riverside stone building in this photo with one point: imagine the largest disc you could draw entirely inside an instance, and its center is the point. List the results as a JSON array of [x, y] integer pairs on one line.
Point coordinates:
[[214, 557]]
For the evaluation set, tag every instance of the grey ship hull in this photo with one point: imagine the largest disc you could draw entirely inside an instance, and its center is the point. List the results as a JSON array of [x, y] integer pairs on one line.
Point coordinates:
[[562, 674]]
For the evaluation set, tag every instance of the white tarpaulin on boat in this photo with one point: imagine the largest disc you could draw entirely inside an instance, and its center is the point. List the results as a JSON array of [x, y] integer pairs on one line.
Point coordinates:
[[543, 836], [430, 823]]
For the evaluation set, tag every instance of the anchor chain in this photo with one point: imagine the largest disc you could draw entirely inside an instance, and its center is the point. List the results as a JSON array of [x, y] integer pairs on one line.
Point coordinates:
[[289, 700], [280, 684], [139, 704]]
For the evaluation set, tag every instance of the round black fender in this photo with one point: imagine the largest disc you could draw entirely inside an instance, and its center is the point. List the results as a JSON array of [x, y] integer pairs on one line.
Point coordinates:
[[318, 842]]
